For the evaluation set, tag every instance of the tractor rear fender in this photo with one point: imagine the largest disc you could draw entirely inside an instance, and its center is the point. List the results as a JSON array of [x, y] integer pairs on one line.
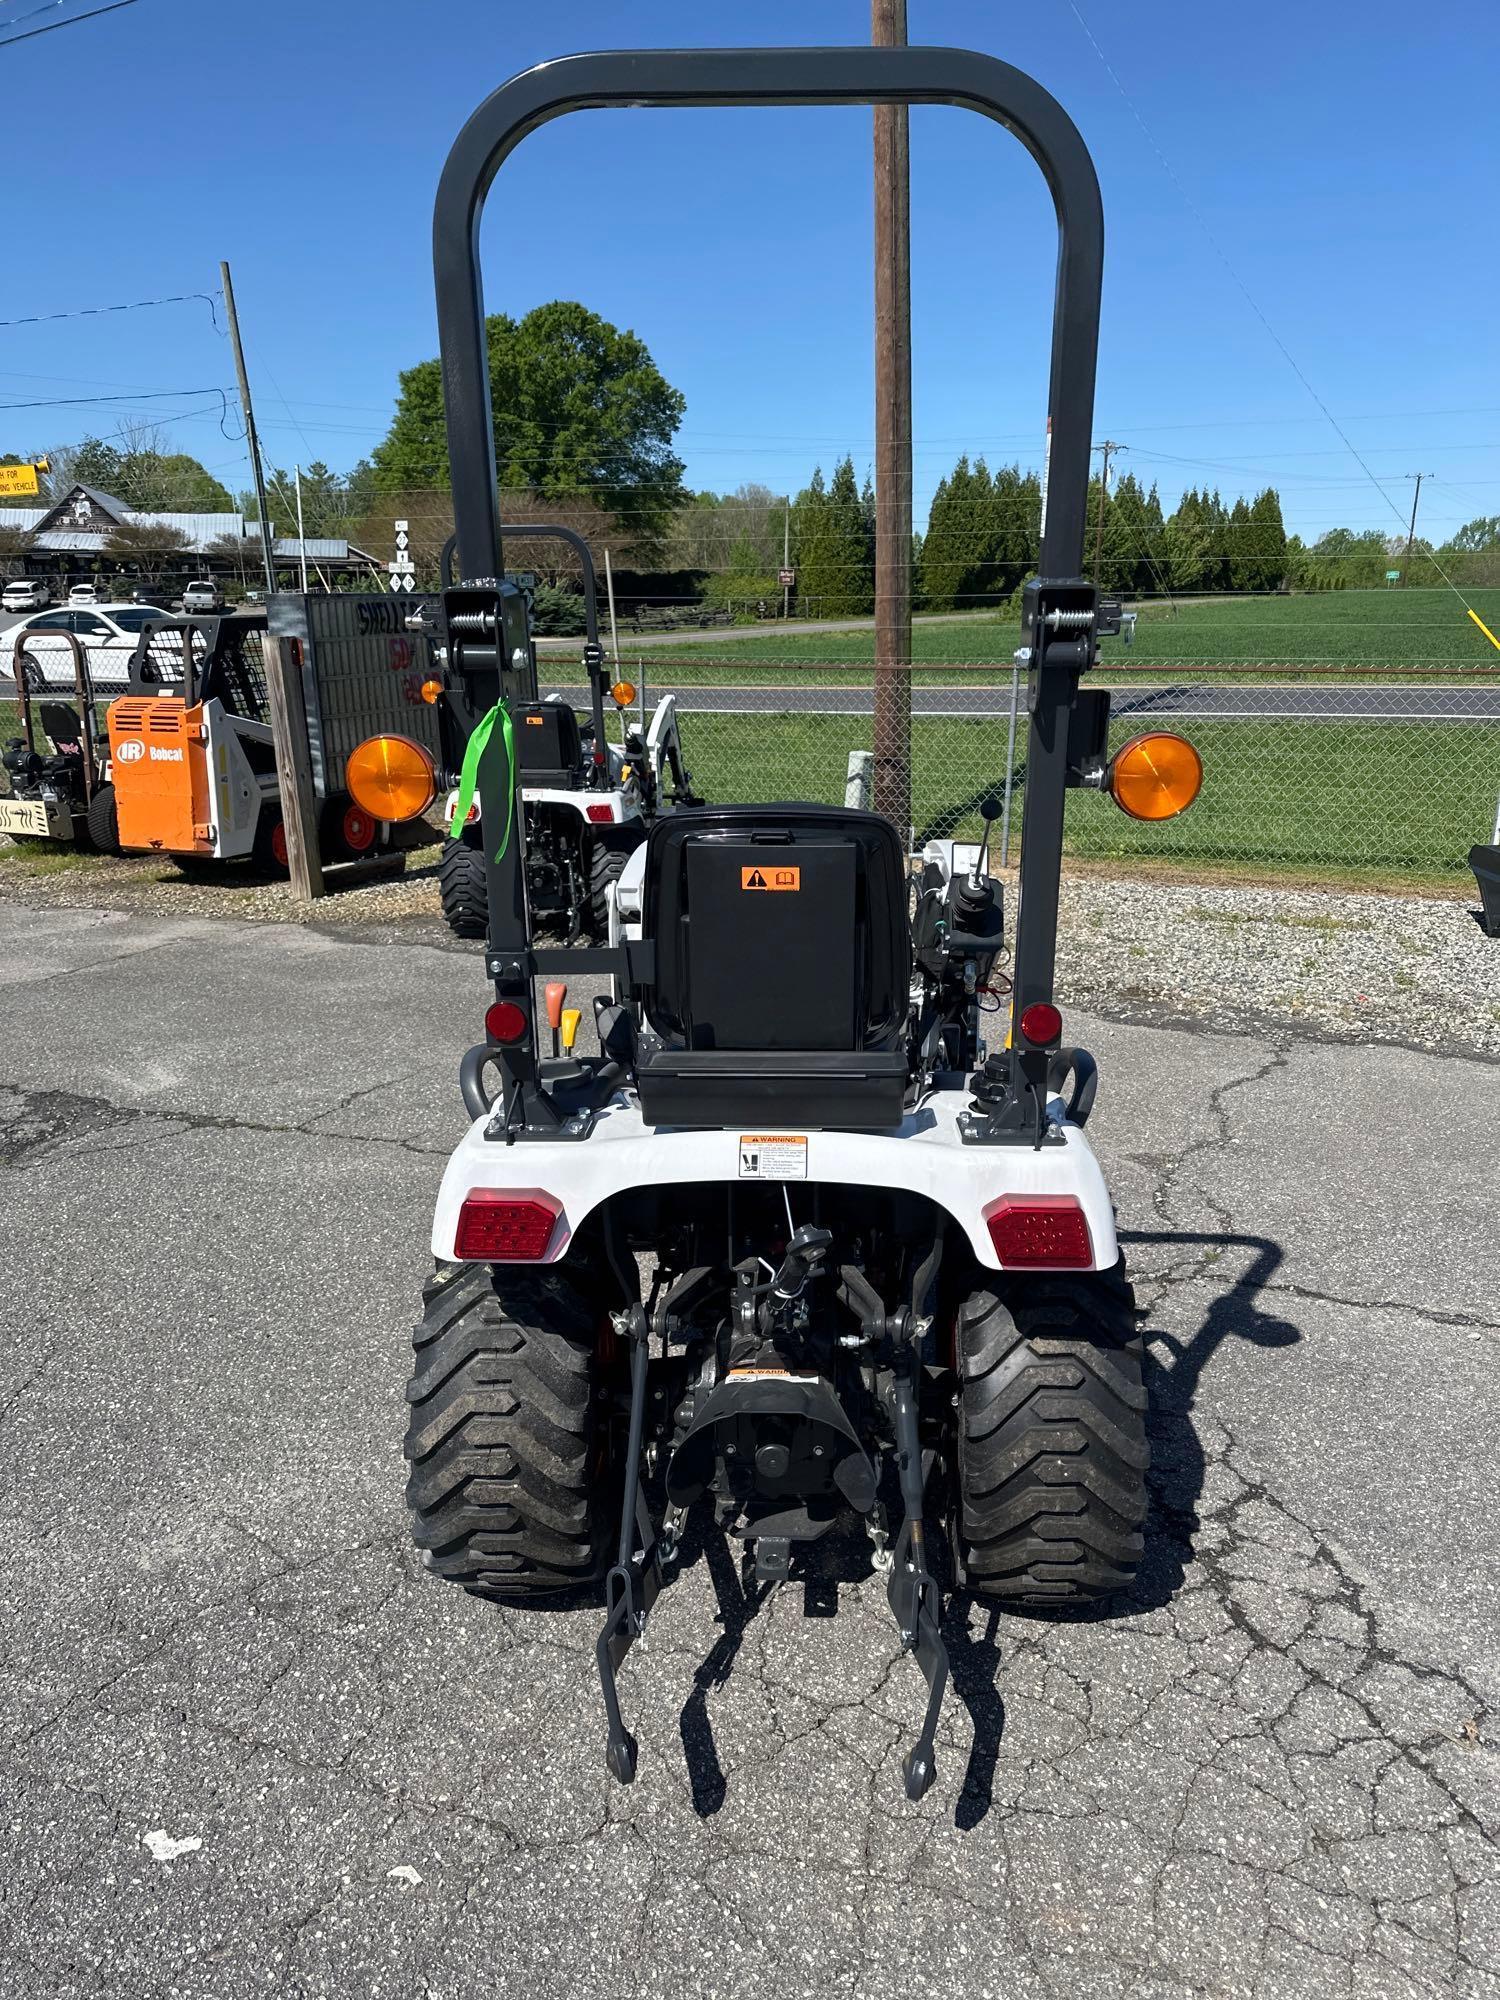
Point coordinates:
[[923, 1156]]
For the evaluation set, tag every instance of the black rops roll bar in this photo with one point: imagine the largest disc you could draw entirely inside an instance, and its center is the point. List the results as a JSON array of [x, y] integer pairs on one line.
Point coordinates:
[[707, 77], [594, 656]]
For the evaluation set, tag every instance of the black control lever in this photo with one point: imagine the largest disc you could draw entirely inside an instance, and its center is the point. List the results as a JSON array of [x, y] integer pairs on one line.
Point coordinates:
[[804, 1256], [989, 812]]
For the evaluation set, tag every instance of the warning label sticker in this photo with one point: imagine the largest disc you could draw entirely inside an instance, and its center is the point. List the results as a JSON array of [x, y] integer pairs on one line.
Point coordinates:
[[770, 878], [772, 1156]]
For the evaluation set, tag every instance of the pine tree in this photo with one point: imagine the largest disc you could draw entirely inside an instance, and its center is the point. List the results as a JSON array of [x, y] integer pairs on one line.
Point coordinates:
[[1269, 540], [809, 526], [1244, 570], [1185, 543], [837, 563]]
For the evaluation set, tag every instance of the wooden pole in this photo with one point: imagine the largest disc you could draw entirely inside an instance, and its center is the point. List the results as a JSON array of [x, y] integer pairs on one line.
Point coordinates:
[[893, 478], [251, 439], [299, 805]]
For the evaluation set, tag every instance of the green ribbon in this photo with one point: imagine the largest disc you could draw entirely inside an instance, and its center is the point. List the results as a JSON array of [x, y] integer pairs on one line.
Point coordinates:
[[469, 776]]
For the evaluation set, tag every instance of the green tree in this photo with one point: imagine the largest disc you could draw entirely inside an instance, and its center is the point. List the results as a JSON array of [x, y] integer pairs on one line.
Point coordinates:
[[958, 542], [836, 560], [578, 406], [1476, 537], [1186, 544], [1268, 541], [1244, 571], [147, 549]]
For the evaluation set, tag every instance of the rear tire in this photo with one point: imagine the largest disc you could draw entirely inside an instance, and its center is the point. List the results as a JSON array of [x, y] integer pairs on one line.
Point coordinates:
[[606, 865], [104, 821], [463, 890], [1052, 1450], [509, 1476], [269, 849]]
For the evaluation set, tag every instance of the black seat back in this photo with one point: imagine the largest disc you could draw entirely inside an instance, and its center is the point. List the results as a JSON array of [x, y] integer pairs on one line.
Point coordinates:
[[549, 746], [777, 928]]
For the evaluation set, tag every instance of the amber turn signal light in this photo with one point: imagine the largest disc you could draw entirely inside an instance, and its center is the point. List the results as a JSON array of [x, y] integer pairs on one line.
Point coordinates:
[[1155, 776], [623, 693], [431, 691], [391, 777]]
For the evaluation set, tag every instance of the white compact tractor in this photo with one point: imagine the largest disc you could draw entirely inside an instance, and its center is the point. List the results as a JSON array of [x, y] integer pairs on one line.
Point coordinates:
[[587, 803], [796, 1249]]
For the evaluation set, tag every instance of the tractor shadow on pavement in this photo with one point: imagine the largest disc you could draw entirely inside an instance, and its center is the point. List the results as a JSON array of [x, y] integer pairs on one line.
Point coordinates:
[[1174, 1370], [1178, 1468]]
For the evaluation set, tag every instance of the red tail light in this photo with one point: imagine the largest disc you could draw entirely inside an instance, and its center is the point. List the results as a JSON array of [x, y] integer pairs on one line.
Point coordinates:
[[601, 815], [505, 1022], [1041, 1024], [497, 1227], [1040, 1232]]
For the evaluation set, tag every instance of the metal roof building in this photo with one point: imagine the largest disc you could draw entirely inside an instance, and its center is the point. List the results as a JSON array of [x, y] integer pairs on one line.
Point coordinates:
[[83, 523]]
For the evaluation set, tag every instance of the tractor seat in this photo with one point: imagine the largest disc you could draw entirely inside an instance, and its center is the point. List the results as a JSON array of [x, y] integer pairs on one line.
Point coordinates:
[[782, 967], [549, 745]]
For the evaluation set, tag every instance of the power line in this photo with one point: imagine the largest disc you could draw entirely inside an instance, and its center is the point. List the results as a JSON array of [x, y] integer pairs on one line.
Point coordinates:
[[131, 305], [73, 22]]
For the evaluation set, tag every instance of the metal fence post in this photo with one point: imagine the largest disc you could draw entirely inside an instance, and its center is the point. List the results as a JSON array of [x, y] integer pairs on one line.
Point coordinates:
[[1010, 759]]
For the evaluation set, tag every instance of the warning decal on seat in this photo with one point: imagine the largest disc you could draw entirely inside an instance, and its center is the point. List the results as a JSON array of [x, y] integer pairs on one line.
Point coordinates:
[[770, 878], [773, 1156]]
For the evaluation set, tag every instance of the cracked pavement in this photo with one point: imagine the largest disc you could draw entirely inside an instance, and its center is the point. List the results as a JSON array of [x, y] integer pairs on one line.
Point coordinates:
[[1275, 1771]]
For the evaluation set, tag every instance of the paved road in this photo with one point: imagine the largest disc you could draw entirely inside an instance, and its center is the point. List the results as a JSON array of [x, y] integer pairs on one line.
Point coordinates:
[[1203, 699], [1274, 1772]]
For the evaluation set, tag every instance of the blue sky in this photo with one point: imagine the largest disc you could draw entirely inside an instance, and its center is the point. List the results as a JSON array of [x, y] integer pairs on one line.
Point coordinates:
[[1344, 158]]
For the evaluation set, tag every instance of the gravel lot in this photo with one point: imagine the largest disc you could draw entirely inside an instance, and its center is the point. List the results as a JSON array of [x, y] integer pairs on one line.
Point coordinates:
[[247, 1744]]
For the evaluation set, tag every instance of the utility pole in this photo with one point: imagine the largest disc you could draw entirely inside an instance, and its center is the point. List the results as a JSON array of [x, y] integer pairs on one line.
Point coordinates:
[[284, 696], [1411, 533], [1108, 448], [892, 439], [786, 559], [257, 469]]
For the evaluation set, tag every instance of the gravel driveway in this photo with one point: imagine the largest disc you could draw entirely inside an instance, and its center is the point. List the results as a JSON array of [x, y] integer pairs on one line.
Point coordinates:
[[249, 1745]]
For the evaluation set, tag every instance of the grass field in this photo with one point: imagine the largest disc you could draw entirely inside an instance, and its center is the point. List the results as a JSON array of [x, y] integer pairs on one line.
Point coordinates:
[[1393, 630], [1348, 799]]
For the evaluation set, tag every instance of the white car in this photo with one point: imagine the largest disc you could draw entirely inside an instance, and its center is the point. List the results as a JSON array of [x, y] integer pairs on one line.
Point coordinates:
[[25, 593], [84, 593], [108, 631]]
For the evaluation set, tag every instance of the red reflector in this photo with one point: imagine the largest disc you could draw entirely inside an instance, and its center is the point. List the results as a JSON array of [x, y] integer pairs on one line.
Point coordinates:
[[498, 1228], [505, 1021], [601, 758], [1041, 1024], [600, 815], [1040, 1232]]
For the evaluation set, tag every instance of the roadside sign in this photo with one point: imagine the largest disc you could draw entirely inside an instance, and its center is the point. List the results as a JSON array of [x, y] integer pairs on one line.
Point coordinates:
[[18, 479], [403, 570], [1393, 576], [786, 578]]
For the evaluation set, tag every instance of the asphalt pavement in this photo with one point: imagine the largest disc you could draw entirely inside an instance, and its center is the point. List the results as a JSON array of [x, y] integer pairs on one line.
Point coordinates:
[[248, 1744]]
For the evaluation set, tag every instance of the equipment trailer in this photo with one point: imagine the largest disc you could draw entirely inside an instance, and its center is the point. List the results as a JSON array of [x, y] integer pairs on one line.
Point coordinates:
[[885, 1277]]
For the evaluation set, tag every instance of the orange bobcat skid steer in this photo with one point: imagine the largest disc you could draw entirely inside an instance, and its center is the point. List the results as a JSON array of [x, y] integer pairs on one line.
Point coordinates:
[[191, 755], [184, 783], [193, 764]]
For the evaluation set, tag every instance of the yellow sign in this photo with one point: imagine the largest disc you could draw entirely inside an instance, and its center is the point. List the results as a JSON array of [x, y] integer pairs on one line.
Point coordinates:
[[18, 479]]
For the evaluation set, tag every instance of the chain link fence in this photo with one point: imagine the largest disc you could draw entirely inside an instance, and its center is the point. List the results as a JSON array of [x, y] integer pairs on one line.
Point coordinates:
[[1339, 775]]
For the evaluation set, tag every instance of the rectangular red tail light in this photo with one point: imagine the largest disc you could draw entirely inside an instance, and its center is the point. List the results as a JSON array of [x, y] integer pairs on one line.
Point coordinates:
[[498, 1227], [1040, 1232]]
